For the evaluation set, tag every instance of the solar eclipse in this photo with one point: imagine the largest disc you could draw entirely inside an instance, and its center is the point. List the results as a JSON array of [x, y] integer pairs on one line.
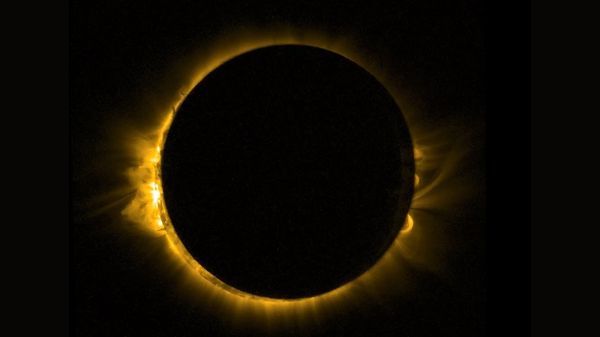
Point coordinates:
[[267, 173]]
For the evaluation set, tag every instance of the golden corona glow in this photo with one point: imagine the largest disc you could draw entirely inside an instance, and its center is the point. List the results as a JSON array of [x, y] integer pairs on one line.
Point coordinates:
[[148, 209]]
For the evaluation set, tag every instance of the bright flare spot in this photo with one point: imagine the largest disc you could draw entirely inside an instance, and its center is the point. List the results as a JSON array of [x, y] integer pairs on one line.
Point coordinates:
[[155, 193]]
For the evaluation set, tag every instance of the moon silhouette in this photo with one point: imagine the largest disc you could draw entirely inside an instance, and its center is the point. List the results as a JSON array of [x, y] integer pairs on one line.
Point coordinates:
[[288, 171]]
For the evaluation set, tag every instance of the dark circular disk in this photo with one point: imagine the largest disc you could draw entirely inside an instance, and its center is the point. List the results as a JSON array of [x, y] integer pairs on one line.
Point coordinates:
[[288, 171]]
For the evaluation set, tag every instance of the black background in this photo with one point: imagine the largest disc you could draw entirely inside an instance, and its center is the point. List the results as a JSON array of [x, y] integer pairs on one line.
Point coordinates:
[[439, 46]]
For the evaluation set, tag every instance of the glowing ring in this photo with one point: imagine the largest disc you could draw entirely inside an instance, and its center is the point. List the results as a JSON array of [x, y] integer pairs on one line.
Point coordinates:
[[154, 211]]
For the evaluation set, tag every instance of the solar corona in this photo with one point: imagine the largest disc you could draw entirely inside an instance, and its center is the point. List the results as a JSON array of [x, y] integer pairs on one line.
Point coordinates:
[[154, 207]]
